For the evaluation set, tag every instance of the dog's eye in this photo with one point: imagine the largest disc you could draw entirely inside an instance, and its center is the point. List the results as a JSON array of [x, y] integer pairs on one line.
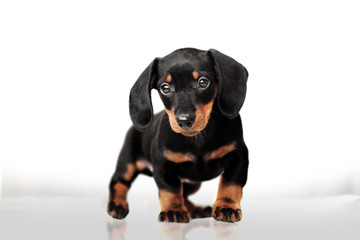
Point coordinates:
[[165, 89], [203, 82]]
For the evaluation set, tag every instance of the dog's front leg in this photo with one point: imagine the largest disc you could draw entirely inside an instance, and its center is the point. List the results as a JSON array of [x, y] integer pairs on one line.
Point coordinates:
[[227, 206], [170, 194]]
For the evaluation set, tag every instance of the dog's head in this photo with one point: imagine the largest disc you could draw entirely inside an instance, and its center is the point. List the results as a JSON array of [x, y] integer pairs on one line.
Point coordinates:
[[188, 81]]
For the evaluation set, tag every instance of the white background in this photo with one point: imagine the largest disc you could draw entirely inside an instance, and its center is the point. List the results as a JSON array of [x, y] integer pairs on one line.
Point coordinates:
[[66, 68]]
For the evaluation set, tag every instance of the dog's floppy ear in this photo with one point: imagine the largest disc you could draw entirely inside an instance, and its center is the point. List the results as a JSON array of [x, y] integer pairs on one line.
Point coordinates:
[[232, 78], [141, 110]]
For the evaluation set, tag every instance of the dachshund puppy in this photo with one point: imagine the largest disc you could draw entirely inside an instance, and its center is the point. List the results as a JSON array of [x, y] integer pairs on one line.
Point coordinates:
[[196, 138]]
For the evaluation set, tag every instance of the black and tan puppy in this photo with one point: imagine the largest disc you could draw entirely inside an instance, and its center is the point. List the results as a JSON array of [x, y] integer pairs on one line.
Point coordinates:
[[198, 137]]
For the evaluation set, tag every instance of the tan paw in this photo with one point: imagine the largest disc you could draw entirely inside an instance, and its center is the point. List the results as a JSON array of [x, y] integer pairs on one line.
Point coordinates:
[[176, 215], [226, 212], [118, 209]]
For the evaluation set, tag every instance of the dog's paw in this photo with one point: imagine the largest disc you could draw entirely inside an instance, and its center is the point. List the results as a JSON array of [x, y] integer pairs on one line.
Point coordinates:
[[179, 216], [226, 213], [118, 209]]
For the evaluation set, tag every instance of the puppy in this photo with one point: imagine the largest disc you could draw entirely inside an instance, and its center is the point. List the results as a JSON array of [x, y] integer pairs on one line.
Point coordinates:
[[196, 138]]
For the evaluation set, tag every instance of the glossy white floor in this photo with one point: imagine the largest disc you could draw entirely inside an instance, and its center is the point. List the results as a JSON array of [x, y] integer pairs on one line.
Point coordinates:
[[60, 217]]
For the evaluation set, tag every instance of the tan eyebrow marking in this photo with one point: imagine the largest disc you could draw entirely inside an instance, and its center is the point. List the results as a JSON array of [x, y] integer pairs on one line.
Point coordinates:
[[178, 157], [168, 78], [221, 151], [195, 74]]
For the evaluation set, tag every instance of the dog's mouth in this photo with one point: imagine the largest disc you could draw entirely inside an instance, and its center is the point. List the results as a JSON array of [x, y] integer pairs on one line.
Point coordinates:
[[189, 133], [194, 130], [202, 116]]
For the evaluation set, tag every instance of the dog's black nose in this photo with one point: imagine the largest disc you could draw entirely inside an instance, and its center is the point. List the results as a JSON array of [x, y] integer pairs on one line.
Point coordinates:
[[185, 121]]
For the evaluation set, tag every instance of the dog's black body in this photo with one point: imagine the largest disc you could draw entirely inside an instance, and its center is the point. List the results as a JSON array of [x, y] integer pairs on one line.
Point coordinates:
[[197, 138]]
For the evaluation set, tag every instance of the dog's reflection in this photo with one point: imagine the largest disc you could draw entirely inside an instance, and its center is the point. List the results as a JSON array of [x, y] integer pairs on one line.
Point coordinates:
[[224, 230], [179, 231], [116, 229]]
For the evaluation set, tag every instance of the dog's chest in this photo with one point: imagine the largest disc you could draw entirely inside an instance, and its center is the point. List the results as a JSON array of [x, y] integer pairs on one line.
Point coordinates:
[[200, 165], [199, 170], [193, 155]]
